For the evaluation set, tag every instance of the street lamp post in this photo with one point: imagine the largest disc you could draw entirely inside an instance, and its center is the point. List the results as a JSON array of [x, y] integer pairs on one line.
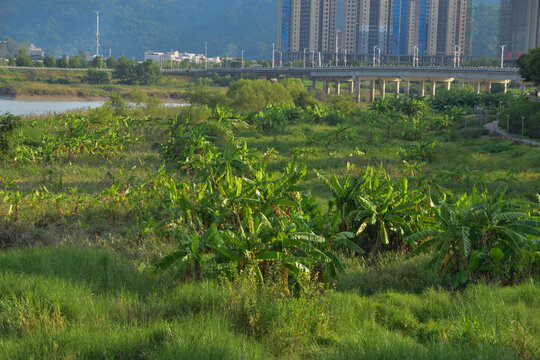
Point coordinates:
[[206, 55], [273, 55], [416, 56], [379, 51], [312, 58], [280, 58], [345, 57], [305, 57], [502, 54], [337, 49], [374, 55], [243, 58]]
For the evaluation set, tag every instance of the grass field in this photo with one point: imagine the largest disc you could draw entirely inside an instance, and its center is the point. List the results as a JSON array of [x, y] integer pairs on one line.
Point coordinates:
[[70, 84], [74, 260], [61, 303]]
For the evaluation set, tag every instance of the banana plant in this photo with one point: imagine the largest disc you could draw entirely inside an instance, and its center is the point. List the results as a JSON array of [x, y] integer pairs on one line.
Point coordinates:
[[479, 234], [378, 210]]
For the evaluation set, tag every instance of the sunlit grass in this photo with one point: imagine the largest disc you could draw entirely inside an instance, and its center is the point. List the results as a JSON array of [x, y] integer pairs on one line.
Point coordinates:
[[83, 303]]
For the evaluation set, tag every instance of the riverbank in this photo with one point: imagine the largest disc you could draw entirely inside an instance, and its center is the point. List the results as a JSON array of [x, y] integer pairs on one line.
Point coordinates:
[[71, 86], [71, 98]]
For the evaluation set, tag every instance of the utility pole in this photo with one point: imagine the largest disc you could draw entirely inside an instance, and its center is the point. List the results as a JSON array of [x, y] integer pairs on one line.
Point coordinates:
[[502, 54]]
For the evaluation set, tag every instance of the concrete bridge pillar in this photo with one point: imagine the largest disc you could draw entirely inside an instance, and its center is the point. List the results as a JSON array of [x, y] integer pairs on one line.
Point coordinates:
[[488, 87], [505, 87], [313, 85], [372, 91], [338, 86], [326, 86], [396, 90], [477, 88], [357, 85], [406, 88], [433, 88], [422, 89], [448, 85], [382, 85]]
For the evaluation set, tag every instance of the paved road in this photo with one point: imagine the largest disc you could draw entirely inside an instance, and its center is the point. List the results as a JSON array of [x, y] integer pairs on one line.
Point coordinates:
[[492, 127]]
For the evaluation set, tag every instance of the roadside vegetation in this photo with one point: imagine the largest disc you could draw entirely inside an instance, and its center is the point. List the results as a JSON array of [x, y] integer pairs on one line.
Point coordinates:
[[262, 223]]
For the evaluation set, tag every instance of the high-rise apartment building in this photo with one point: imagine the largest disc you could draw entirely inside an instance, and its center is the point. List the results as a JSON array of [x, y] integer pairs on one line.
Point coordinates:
[[366, 25], [454, 27], [436, 27], [519, 26], [306, 26], [533, 24], [409, 24]]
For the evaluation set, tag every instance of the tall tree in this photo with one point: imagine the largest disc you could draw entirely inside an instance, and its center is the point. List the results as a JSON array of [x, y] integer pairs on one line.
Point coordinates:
[[529, 66], [124, 70], [148, 73], [49, 61], [23, 59], [75, 62], [97, 62]]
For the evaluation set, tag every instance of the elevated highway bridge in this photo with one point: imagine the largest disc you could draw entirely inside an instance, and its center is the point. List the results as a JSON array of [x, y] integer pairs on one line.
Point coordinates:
[[381, 75], [476, 76]]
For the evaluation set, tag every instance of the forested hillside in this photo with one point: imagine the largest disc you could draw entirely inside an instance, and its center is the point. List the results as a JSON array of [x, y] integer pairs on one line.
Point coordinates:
[[485, 28], [130, 27]]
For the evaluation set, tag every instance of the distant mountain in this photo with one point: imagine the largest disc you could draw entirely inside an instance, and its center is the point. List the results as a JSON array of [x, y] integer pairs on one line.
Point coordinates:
[[485, 29], [130, 27]]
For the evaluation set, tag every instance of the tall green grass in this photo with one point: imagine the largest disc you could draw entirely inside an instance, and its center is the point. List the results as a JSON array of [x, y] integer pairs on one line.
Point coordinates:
[[75, 303]]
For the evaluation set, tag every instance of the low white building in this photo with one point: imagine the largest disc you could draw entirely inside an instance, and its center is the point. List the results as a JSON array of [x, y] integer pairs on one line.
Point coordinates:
[[36, 54], [176, 56], [153, 55]]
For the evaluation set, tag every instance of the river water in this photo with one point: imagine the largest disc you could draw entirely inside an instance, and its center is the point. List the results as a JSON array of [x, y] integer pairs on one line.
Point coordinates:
[[32, 107], [44, 107]]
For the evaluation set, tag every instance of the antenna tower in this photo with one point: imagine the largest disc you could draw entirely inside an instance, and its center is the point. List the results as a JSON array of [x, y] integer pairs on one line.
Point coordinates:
[[97, 33]]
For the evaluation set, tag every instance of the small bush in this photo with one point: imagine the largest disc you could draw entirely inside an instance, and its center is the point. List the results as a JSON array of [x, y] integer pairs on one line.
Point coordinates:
[[8, 124], [94, 76], [271, 314]]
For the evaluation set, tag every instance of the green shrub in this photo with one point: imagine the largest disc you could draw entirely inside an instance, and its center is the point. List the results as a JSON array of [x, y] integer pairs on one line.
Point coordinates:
[[94, 76], [516, 110], [8, 124]]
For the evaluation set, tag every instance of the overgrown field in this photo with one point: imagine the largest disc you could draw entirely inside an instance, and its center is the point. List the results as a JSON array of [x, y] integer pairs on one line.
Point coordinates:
[[282, 231], [71, 84]]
